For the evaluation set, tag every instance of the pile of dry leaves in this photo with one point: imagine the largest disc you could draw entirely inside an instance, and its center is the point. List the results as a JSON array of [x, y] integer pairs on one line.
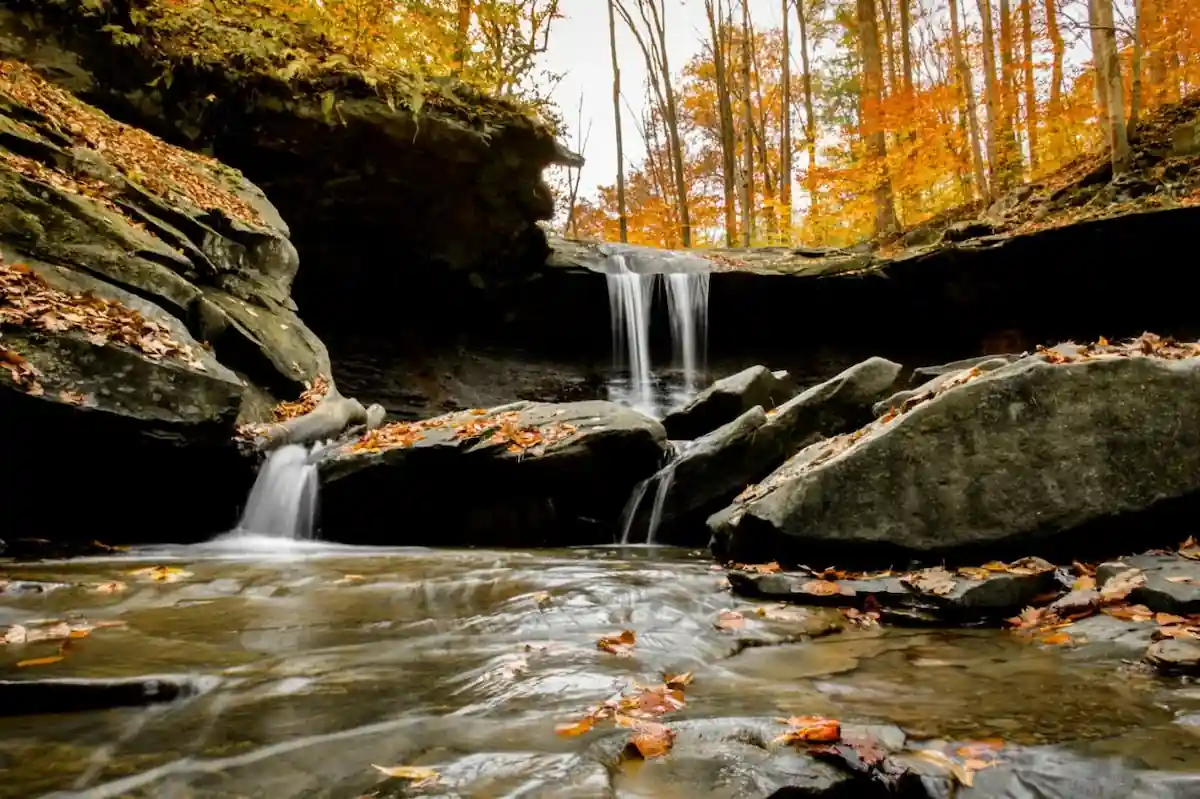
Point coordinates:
[[499, 428]]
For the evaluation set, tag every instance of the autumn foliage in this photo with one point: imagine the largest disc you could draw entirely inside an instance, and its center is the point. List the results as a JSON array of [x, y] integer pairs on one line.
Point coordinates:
[[967, 111]]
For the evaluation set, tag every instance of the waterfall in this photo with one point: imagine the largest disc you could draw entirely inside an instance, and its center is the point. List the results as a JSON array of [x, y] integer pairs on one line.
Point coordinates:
[[630, 511], [630, 295], [687, 305], [660, 496], [283, 501], [631, 291], [662, 480]]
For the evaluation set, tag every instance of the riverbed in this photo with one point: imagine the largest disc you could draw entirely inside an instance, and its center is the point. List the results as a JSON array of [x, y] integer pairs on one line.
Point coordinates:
[[299, 666]]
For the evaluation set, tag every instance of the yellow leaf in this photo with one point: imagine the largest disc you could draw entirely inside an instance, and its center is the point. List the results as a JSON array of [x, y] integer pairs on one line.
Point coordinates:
[[419, 775], [46, 661]]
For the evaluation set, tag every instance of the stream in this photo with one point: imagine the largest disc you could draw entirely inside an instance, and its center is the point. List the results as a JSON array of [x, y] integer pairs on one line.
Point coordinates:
[[306, 663]]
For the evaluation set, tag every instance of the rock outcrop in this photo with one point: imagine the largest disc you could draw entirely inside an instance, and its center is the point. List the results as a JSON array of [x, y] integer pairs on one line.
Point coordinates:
[[144, 314], [525, 474], [713, 469], [1036, 457], [727, 399], [391, 181]]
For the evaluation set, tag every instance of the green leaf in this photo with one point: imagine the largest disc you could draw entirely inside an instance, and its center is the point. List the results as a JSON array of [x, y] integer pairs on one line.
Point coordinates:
[[327, 100]]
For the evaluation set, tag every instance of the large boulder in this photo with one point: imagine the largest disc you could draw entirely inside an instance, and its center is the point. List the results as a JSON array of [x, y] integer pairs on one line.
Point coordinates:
[[526, 474], [713, 469], [1037, 457], [144, 315]]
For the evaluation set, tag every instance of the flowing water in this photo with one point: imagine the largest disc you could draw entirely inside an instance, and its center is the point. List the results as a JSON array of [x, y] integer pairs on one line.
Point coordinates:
[[631, 302], [311, 665], [283, 501]]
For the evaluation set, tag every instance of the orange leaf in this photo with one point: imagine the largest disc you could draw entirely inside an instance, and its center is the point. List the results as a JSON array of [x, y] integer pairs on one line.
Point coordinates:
[[585, 724], [46, 661], [620, 645], [651, 740]]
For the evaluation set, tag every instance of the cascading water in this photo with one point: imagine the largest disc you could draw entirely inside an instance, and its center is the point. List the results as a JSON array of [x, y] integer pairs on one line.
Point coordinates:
[[630, 295], [283, 501], [687, 305], [661, 480]]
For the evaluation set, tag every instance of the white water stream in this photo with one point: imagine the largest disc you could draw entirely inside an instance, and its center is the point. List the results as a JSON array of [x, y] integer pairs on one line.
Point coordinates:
[[283, 501]]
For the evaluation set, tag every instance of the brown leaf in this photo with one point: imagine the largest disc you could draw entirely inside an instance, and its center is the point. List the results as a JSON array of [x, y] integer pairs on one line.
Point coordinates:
[[826, 588], [935, 581], [1119, 587], [728, 620], [620, 645], [573, 729], [1055, 639], [678, 681], [651, 740], [811, 729]]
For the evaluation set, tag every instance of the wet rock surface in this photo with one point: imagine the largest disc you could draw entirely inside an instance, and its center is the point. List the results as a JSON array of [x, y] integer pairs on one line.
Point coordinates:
[[1023, 457], [727, 399], [1172, 581], [526, 474], [713, 469]]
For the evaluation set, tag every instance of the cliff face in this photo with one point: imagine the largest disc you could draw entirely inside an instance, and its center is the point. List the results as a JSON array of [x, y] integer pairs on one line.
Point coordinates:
[[388, 180], [144, 314]]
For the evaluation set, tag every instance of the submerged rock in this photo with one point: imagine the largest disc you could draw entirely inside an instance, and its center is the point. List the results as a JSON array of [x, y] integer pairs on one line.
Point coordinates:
[[1020, 458], [526, 474], [1175, 656]]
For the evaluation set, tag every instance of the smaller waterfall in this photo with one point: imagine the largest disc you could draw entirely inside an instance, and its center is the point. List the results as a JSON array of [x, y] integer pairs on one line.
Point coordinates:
[[630, 295], [662, 481], [283, 501]]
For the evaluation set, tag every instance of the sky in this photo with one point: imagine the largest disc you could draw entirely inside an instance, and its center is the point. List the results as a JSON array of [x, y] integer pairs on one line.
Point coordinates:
[[579, 48]]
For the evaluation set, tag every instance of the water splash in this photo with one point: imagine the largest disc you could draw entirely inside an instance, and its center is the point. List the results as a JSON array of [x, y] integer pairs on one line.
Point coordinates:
[[283, 501]]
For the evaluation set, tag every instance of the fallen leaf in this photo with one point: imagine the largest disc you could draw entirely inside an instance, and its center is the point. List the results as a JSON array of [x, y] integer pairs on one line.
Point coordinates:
[[825, 588], [974, 573], [961, 774], [728, 620], [46, 661], [1085, 583], [573, 729], [161, 574], [651, 740], [935, 581], [678, 681], [15, 634], [346, 579], [115, 587], [1031, 565], [620, 645], [1165, 619], [1055, 639], [1182, 579], [1139, 613], [1119, 586], [811, 729], [419, 775]]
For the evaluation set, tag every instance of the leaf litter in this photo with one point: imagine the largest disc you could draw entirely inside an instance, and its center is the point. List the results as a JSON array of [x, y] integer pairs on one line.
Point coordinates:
[[637, 710], [502, 428]]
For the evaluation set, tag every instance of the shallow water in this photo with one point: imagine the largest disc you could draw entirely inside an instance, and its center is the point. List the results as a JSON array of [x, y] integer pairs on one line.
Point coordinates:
[[315, 662]]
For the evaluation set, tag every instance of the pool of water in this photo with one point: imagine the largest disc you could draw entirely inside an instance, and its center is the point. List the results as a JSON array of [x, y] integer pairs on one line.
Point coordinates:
[[312, 662]]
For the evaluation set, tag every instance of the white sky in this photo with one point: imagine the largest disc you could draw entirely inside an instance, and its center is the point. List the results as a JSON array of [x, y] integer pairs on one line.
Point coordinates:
[[579, 47]]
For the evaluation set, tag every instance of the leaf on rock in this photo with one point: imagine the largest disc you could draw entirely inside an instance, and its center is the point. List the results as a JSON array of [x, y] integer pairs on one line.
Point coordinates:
[[1085, 583], [1138, 613], [935, 581], [1055, 638], [620, 645], [974, 573], [963, 775], [810, 730], [1120, 586], [573, 729], [826, 588], [419, 775], [678, 681], [650, 740]]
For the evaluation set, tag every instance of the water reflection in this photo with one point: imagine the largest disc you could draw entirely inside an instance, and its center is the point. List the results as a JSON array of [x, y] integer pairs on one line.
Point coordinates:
[[327, 659]]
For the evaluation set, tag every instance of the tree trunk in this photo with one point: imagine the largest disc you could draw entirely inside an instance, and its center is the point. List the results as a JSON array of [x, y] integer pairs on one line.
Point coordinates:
[[1118, 138], [872, 97], [462, 35], [1031, 114], [785, 138], [967, 103], [1099, 63], [720, 39], [622, 217], [906, 58], [810, 123], [770, 217], [1011, 152], [1135, 66], [747, 134], [889, 47], [994, 103]]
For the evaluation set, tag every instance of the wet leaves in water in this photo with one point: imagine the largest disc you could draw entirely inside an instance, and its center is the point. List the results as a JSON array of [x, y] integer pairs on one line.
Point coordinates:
[[677, 682], [572, 729], [161, 574], [114, 587], [620, 645], [646, 702], [649, 740], [45, 661], [419, 775], [862, 618], [810, 730], [1120, 586], [729, 620], [1055, 638], [964, 772], [349, 579], [33, 632]]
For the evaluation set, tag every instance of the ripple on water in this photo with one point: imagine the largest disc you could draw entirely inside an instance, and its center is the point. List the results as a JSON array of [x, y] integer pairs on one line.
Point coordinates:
[[328, 659]]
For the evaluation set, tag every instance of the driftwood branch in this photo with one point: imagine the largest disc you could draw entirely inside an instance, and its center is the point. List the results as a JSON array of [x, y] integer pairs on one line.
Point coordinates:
[[333, 416]]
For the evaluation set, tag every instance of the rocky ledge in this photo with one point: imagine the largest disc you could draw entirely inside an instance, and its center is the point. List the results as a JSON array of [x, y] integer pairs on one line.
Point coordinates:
[[144, 314], [390, 180]]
